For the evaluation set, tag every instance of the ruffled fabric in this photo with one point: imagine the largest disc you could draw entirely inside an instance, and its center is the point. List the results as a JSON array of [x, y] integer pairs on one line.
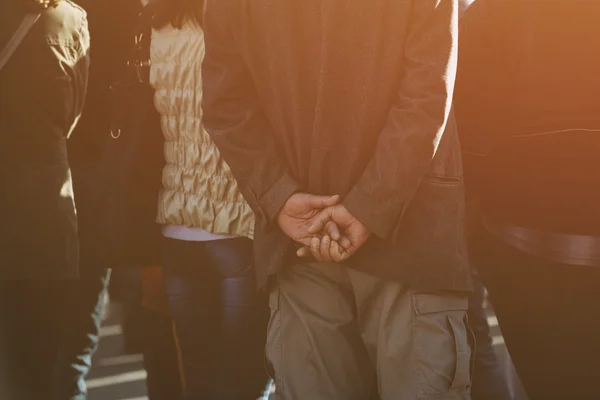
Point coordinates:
[[199, 188]]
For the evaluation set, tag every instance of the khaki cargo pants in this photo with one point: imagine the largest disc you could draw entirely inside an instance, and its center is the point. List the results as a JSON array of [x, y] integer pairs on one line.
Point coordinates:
[[340, 334]]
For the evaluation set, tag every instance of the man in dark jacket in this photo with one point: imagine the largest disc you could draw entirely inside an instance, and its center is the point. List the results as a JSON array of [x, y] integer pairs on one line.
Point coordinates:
[[43, 91], [336, 116]]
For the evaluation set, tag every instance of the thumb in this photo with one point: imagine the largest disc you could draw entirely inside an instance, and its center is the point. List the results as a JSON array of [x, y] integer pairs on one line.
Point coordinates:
[[318, 202]]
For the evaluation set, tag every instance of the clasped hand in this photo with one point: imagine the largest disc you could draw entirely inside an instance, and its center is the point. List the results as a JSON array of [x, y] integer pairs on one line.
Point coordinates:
[[324, 227]]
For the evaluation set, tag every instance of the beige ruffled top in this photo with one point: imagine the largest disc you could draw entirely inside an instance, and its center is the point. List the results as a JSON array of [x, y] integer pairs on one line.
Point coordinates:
[[199, 190]]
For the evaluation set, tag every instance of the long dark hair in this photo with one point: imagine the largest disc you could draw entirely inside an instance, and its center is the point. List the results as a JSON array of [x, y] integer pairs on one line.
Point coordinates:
[[176, 12]]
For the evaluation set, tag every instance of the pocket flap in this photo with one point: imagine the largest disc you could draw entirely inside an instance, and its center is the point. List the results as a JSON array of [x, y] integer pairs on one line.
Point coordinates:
[[464, 352], [425, 303]]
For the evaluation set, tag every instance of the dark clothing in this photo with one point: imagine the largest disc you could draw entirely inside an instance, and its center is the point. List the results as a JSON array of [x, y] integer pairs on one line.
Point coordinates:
[[528, 112], [150, 332], [80, 327], [351, 98], [80, 336], [161, 357], [43, 91], [52, 330], [220, 318], [557, 247], [111, 40], [29, 310], [112, 24], [547, 312], [529, 118]]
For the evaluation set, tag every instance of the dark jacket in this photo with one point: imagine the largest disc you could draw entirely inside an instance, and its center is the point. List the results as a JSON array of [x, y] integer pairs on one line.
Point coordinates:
[[112, 24], [344, 97], [42, 93], [528, 110]]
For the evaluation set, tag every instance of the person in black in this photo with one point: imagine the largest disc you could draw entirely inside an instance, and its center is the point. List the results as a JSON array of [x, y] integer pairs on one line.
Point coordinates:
[[529, 120], [43, 92], [112, 27]]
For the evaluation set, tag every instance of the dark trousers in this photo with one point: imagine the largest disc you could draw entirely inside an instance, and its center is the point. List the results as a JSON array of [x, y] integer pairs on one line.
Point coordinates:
[[489, 381], [51, 329], [126, 290], [220, 318], [548, 313], [149, 332], [161, 358]]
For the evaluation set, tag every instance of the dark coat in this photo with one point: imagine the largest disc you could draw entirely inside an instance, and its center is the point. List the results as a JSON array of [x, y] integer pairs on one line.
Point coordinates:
[[112, 25], [42, 94], [528, 112], [344, 97]]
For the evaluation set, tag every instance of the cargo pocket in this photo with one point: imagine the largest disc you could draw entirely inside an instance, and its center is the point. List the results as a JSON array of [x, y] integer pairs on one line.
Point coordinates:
[[273, 348], [442, 346]]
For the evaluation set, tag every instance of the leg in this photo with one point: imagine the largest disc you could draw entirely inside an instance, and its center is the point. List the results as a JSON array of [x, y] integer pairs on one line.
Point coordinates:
[[313, 339], [546, 313], [32, 309], [17, 336], [489, 382], [82, 317], [161, 354], [161, 358], [126, 289], [244, 322], [420, 342], [193, 288]]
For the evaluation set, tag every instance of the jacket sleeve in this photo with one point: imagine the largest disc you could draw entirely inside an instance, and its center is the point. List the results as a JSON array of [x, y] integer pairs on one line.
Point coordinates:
[[416, 122], [78, 70], [237, 123]]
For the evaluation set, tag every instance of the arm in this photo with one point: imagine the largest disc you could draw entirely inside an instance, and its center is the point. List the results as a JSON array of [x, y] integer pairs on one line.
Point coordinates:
[[235, 120], [78, 69], [416, 121]]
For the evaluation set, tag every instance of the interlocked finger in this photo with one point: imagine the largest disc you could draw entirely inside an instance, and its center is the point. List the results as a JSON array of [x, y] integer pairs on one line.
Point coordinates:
[[315, 248]]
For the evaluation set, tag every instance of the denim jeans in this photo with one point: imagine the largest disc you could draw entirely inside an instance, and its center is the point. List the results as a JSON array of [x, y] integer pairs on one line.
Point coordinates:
[[52, 331], [489, 381], [220, 318]]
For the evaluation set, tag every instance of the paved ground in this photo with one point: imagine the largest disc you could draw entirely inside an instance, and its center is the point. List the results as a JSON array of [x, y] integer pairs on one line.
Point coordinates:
[[122, 377]]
